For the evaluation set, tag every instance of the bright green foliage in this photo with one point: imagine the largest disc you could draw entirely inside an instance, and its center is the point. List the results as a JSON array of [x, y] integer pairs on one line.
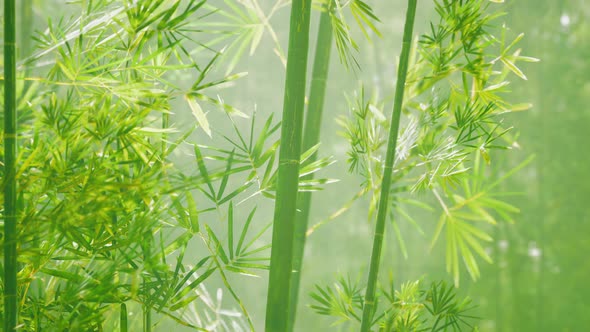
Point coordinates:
[[107, 224], [106, 218], [246, 23], [243, 27], [454, 114], [256, 156], [465, 120], [414, 307], [345, 44]]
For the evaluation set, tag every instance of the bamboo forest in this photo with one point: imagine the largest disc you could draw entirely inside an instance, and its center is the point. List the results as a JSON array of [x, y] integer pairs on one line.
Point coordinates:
[[295, 165]]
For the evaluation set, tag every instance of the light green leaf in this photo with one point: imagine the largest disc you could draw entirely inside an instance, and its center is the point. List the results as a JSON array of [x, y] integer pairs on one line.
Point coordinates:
[[527, 58], [377, 113], [514, 42], [256, 39], [149, 130], [192, 212], [519, 107], [510, 65], [496, 86], [439, 227], [199, 114]]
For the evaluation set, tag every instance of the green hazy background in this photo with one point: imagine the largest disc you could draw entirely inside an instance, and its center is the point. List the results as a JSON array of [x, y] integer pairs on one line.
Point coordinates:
[[540, 277]]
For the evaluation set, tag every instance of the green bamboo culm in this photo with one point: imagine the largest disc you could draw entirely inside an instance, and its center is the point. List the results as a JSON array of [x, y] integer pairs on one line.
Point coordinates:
[[123, 317], [369, 304], [311, 137], [10, 204], [278, 302], [146, 309]]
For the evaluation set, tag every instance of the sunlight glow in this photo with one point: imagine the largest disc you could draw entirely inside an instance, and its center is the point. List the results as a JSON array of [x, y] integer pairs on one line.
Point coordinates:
[[534, 250], [565, 20]]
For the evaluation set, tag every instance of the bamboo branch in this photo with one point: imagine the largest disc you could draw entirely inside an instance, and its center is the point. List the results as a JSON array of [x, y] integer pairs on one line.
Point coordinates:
[[370, 305]]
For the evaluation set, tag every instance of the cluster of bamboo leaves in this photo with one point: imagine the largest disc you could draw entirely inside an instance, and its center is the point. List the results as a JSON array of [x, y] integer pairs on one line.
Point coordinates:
[[247, 22], [453, 118], [104, 218], [414, 307], [106, 224], [103, 212]]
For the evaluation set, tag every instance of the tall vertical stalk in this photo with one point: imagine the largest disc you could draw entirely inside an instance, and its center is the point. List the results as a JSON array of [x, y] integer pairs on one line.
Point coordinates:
[[311, 137], [277, 306], [146, 306], [123, 318], [369, 306], [10, 204]]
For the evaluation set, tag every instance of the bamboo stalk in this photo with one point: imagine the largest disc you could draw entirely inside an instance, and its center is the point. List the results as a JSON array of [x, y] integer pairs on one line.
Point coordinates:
[[311, 137], [369, 305], [146, 307], [277, 306], [123, 317], [10, 201]]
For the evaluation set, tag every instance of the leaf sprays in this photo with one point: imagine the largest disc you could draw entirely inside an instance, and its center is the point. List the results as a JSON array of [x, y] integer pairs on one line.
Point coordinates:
[[9, 179], [369, 305], [277, 306]]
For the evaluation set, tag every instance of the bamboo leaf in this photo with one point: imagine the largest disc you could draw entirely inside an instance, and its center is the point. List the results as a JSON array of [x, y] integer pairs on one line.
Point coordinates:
[[192, 213], [527, 58], [183, 303], [510, 65], [198, 114], [236, 192], [217, 245], [191, 286], [179, 242], [439, 227], [203, 170], [244, 232], [63, 275], [496, 86], [190, 273], [514, 42], [400, 240], [258, 32], [225, 178], [241, 271], [230, 235]]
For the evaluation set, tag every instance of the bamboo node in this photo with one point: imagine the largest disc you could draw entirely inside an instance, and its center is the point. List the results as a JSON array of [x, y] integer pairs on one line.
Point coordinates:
[[289, 162]]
